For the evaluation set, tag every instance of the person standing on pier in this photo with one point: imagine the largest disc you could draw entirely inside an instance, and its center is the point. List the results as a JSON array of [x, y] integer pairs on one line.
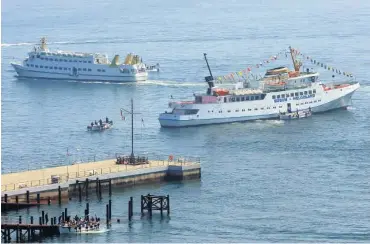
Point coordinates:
[[46, 218]]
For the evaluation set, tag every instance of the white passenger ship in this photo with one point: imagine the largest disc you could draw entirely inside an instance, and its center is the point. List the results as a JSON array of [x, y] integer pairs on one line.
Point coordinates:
[[43, 63], [281, 90]]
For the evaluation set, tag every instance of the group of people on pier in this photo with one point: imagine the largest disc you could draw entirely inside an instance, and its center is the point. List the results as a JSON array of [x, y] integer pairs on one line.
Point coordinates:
[[132, 161], [81, 224]]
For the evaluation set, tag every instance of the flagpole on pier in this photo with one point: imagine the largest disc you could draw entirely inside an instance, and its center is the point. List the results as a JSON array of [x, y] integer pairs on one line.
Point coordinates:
[[132, 158]]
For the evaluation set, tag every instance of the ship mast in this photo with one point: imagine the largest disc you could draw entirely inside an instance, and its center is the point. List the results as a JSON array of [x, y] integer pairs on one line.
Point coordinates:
[[295, 62], [209, 79]]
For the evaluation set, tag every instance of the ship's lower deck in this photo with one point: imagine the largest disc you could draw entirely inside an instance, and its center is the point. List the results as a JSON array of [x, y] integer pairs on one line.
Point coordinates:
[[122, 77]]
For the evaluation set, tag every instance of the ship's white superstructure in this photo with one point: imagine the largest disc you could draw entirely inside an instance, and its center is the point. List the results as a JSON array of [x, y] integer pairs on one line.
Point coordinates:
[[43, 63], [281, 90]]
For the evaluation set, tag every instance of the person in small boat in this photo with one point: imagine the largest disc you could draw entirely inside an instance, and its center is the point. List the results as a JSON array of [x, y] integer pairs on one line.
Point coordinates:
[[309, 109], [106, 120], [96, 123], [92, 124], [100, 122]]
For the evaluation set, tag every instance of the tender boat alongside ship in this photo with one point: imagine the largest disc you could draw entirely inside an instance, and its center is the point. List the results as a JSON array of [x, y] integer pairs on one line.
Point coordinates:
[[295, 115], [63, 65], [280, 90]]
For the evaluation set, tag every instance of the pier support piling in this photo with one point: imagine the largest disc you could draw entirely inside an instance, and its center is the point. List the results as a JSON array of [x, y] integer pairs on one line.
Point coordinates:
[[38, 198], [79, 193], [110, 209], [87, 188], [59, 195], [43, 216], [28, 197], [31, 220], [16, 201], [110, 187]]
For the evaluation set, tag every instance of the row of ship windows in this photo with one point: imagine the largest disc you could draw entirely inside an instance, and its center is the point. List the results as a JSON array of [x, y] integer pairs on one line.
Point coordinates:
[[62, 60], [310, 92], [60, 68], [245, 98], [243, 110], [249, 109]]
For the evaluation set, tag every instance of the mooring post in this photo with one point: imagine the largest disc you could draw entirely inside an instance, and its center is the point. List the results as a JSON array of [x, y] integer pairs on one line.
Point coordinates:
[[129, 210], [43, 216], [29, 233], [17, 234], [150, 205], [168, 204], [20, 219], [110, 209], [87, 208], [131, 206], [66, 213], [31, 220], [38, 198], [55, 220], [63, 217], [142, 205], [52, 221], [40, 220], [107, 213], [110, 187], [59, 195], [97, 186], [28, 196], [161, 206], [79, 192], [87, 187], [100, 189]]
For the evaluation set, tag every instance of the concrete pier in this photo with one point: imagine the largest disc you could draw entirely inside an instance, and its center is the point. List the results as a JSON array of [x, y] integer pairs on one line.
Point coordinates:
[[67, 178]]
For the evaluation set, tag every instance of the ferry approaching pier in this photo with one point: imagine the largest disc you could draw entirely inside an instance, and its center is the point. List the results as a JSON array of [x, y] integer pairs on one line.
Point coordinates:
[[280, 90], [43, 63]]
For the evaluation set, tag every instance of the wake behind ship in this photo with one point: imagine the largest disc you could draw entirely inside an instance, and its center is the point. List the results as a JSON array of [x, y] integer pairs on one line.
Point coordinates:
[[43, 63], [280, 90]]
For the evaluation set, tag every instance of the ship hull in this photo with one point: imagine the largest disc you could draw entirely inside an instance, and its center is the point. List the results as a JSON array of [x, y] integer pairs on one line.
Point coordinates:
[[330, 102], [23, 72]]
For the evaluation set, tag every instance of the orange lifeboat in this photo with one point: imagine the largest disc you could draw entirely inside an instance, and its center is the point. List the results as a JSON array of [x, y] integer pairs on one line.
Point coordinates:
[[221, 92], [293, 74]]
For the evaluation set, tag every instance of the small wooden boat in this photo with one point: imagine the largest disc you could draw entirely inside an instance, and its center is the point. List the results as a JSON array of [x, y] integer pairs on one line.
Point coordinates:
[[100, 127], [295, 115]]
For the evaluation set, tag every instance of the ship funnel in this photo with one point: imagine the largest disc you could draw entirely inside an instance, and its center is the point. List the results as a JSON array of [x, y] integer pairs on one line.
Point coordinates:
[[115, 61], [128, 59]]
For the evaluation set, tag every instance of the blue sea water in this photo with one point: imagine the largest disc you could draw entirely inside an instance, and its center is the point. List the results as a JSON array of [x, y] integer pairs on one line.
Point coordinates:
[[306, 180]]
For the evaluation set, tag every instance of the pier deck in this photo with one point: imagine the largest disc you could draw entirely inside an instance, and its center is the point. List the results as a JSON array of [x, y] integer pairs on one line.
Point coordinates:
[[40, 180]]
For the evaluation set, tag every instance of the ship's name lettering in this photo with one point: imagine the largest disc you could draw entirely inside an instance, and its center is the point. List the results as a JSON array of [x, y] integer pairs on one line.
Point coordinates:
[[279, 100]]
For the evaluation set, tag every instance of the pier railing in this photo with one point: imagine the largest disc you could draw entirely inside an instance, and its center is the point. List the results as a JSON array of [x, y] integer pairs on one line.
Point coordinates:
[[154, 162]]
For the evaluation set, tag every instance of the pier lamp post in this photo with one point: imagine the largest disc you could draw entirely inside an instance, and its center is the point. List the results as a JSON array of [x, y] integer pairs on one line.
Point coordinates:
[[132, 157]]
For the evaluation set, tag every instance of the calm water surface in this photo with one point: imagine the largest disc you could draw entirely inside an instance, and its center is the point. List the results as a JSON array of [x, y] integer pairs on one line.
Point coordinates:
[[306, 180]]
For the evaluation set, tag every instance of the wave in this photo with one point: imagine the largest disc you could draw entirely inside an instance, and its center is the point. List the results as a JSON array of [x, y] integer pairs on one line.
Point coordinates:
[[149, 82]]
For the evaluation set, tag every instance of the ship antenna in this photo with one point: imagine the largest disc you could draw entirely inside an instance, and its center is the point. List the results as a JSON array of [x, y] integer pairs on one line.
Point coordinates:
[[209, 79]]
